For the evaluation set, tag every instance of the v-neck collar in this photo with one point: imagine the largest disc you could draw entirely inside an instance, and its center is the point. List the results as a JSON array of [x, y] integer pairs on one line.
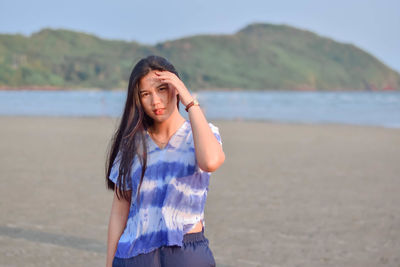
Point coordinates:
[[172, 136]]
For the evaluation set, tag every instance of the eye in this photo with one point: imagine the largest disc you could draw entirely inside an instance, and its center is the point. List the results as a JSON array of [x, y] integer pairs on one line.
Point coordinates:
[[163, 88], [144, 94]]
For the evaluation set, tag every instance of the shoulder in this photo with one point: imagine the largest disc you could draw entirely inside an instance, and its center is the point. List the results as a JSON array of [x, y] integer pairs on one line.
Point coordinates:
[[214, 130], [213, 126]]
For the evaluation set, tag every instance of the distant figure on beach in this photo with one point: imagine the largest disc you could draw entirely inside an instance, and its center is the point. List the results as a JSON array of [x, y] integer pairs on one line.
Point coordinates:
[[159, 166]]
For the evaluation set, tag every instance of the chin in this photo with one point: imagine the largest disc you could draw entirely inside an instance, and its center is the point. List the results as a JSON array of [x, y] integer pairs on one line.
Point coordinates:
[[160, 118]]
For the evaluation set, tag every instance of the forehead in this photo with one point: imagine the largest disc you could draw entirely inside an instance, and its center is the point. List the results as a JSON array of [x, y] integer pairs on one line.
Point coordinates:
[[149, 81]]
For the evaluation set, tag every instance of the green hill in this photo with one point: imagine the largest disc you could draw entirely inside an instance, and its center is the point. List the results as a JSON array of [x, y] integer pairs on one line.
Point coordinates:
[[260, 56]]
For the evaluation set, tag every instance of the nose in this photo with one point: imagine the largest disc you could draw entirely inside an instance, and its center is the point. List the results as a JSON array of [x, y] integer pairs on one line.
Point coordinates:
[[156, 99]]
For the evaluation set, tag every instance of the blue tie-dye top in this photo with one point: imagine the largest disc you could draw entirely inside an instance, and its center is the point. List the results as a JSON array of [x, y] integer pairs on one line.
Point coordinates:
[[172, 195]]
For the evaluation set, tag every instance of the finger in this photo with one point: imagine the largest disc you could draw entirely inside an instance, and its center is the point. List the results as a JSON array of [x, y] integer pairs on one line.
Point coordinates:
[[159, 72], [165, 81], [161, 76], [163, 73]]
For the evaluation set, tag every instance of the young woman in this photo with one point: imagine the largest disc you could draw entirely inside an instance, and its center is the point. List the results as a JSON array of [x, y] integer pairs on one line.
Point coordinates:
[[159, 167]]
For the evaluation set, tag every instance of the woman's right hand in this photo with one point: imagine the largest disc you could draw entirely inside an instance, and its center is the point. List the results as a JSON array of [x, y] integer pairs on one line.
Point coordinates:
[[118, 217]]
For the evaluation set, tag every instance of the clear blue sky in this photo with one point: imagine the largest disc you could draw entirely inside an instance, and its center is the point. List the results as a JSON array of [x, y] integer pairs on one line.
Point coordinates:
[[373, 25]]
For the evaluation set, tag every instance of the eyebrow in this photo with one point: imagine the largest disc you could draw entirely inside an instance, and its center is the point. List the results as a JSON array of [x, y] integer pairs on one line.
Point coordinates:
[[158, 86]]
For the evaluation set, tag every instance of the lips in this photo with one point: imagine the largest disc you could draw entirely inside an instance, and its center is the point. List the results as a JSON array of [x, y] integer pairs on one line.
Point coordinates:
[[158, 111]]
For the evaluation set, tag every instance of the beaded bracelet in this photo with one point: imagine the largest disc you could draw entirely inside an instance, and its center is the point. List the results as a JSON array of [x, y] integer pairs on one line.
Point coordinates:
[[193, 103]]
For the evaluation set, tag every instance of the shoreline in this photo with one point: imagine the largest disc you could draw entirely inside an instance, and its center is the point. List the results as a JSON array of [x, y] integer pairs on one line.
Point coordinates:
[[338, 124]]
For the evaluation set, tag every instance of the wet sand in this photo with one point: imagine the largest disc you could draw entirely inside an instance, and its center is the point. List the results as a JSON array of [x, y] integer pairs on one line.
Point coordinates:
[[287, 194]]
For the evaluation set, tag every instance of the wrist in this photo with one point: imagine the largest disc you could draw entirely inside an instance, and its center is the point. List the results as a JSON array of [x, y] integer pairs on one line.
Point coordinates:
[[186, 100], [191, 104]]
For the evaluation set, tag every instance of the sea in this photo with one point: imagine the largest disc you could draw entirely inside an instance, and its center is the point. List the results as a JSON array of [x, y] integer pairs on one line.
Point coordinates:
[[370, 108]]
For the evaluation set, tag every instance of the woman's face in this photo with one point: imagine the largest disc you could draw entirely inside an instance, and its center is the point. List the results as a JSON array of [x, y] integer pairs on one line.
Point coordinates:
[[158, 99]]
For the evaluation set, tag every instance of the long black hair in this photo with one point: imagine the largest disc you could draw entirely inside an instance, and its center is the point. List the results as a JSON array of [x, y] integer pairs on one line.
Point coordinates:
[[133, 124]]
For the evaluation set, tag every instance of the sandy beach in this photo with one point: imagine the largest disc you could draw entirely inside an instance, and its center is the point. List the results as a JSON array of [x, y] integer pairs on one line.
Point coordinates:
[[287, 194]]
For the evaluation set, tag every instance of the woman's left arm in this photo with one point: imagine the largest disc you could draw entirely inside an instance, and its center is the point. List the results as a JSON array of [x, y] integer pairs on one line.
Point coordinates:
[[209, 153]]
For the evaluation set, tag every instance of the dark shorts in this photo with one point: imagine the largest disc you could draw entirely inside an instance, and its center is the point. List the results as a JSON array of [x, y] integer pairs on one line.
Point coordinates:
[[194, 253]]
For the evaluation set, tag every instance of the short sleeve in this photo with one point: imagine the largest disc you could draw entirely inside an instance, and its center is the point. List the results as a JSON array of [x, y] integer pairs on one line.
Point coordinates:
[[115, 172], [215, 131]]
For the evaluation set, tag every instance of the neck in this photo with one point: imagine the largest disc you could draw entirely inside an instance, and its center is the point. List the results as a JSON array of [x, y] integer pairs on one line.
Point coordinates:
[[169, 126]]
